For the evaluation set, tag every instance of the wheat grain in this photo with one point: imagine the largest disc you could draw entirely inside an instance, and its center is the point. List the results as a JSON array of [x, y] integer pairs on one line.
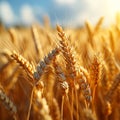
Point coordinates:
[[84, 86]]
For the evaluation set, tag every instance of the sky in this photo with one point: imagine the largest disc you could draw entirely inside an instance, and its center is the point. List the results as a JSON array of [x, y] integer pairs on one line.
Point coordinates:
[[64, 12]]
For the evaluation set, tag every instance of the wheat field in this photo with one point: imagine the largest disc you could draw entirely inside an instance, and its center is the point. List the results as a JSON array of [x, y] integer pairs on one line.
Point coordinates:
[[60, 73]]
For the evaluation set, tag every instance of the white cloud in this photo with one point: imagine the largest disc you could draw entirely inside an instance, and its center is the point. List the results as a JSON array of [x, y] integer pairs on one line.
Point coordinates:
[[69, 12], [114, 6], [64, 2], [106, 8], [92, 10], [6, 13], [27, 14]]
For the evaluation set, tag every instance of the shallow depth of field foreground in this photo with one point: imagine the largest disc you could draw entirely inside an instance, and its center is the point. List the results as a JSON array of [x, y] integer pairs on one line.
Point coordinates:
[[61, 73]]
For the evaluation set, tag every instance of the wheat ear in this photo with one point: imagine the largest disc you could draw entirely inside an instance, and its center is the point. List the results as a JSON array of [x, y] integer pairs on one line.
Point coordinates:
[[90, 32], [29, 68], [112, 43], [63, 88], [43, 63], [36, 38], [68, 55], [89, 28], [58, 72], [7, 102], [82, 80], [111, 62], [95, 70], [13, 35], [88, 115], [54, 109], [39, 102], [113, 88], [107, 109], [99, 23]]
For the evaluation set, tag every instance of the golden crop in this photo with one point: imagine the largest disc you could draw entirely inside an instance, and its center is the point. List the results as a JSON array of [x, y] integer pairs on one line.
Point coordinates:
[[56, 74]]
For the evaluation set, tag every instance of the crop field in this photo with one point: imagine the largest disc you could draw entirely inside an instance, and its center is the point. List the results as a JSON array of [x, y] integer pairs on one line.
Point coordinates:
[[60, 73]]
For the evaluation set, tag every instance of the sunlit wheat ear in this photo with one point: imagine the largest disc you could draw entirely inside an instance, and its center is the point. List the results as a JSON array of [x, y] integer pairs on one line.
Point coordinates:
[[104, 77], [90, 31], [85, 55], [58, 71], [88, 115], [82, 80], [107, 108], [110, 62], [115, 84], [89, 28], [68, 55], [39, 102], [112, 42], [98, 25], [43, 109], [95, 70], [36, 40], [29, 68], [13, 35], [43, 64], [64, 87], [54, 109], [7, 102], [39, 87]]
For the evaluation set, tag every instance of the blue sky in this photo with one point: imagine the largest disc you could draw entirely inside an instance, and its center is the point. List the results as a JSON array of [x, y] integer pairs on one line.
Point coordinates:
[[64, 12]]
